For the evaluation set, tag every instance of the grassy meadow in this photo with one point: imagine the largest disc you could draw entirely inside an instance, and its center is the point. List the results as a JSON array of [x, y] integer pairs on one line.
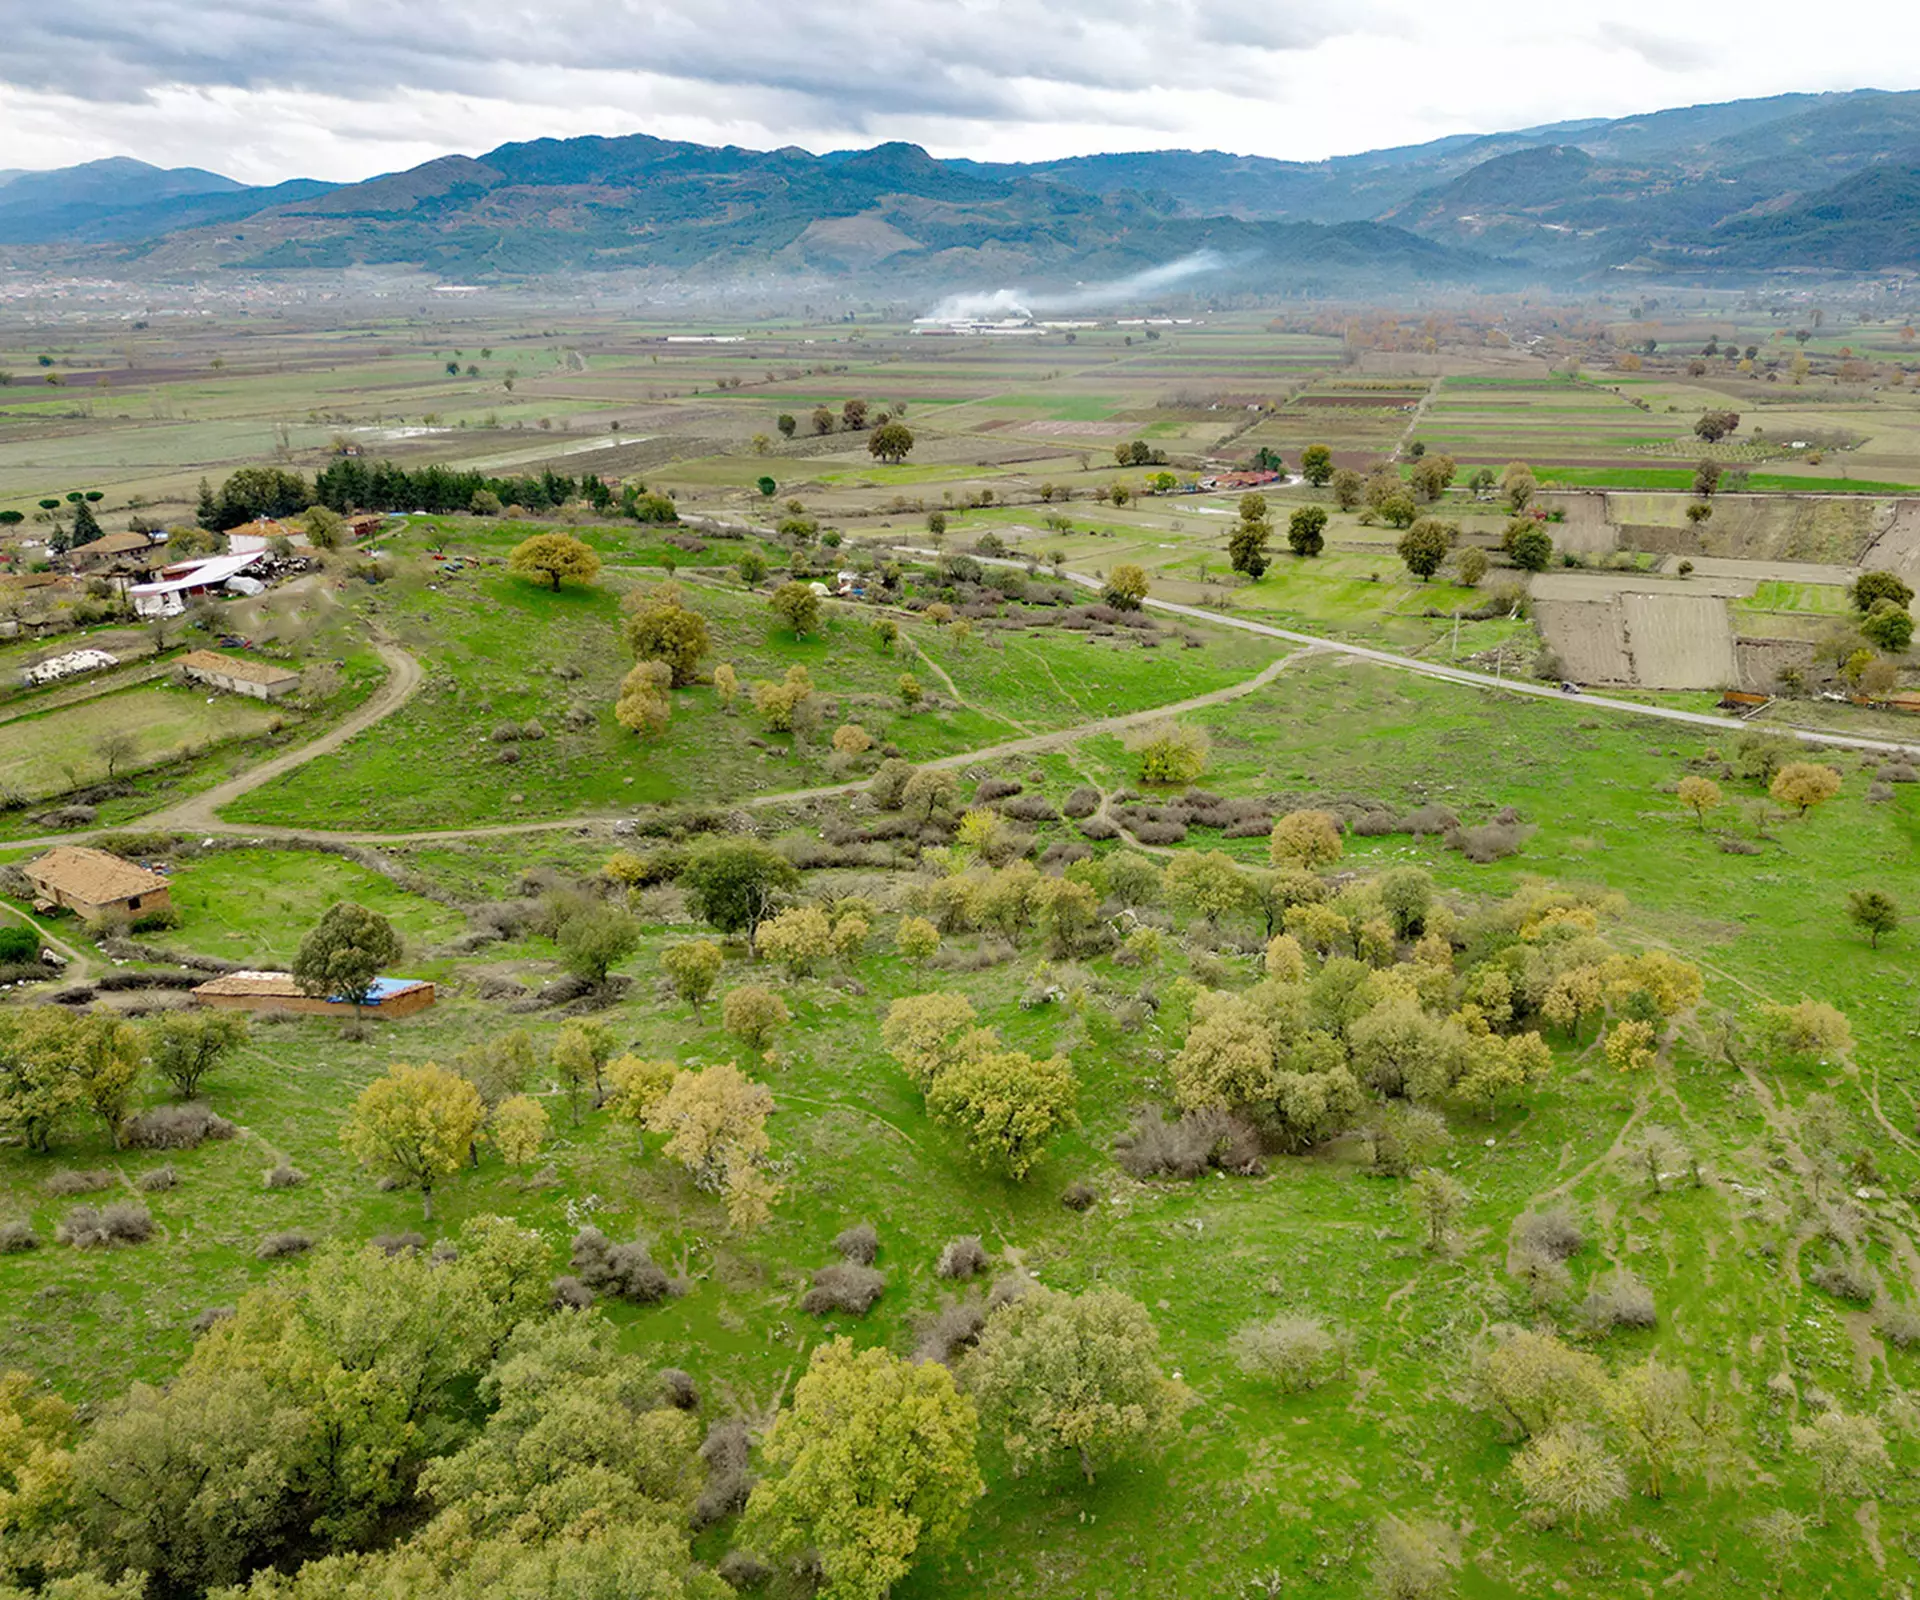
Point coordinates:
[[1260, 1488]]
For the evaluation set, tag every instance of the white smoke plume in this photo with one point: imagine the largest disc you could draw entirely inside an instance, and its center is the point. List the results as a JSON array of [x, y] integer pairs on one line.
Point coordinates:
[[994, 304]]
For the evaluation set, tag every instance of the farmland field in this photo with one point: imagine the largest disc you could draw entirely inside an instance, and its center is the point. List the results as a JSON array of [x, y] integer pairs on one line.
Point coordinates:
[[51, 752]]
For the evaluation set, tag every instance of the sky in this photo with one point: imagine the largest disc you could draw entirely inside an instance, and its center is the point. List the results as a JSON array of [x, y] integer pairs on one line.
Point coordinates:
[[264, 90]]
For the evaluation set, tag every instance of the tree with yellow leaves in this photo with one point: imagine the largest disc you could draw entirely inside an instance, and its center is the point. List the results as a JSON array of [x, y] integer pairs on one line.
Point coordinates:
[[635, 1086], [1802, 785], [1305, 839], [1699, 795], [1006, 1105], [415, 1125], [693, 967], [1630, 1046], [923, 1032], [715, 1122], [518, 1129], [797, 938]]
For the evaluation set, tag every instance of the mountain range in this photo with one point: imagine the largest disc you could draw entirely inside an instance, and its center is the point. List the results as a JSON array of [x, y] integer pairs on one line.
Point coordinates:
[[1827, 183]]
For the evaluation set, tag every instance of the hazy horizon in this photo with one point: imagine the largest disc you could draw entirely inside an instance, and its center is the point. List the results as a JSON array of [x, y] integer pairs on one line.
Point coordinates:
[[343, 92]]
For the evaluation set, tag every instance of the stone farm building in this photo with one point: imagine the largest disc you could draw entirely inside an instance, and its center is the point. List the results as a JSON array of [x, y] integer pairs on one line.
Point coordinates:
[[276, 991], [237, 675], [112, 549], [95, 884]]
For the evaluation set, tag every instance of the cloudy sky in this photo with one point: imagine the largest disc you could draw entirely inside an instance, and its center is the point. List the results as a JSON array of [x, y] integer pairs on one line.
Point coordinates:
[[342, 89]]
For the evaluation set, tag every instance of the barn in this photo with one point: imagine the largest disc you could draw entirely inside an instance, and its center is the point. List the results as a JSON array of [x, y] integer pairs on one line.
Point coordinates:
[[237, 675]]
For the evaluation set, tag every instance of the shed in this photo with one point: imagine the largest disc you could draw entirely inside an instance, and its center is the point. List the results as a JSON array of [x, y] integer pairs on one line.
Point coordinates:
[[237, 675], [96, 884], [168, 595], [276, 991]]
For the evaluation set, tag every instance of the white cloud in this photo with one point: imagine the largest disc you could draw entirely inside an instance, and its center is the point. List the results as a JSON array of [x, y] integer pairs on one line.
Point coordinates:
[[338, 89]]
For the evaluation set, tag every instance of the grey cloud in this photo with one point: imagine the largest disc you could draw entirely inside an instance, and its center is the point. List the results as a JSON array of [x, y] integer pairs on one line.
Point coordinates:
[[1656, 49], [952, 58]]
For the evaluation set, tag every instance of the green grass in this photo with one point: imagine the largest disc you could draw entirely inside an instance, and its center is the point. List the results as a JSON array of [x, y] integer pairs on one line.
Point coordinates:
[[253, 906], [509, 652], [1258, 1486]]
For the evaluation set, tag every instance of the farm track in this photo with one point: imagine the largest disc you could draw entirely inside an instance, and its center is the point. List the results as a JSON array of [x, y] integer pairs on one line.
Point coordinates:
[[1478, 680], [198, 814]]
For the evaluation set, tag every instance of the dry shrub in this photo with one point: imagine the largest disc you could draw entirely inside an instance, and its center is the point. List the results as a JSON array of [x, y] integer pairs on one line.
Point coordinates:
[[1846, 1280], [845, 1286], [859, 1244], [570, 1294], [1430, 819], [67, 1182], [1554, 1234], [278, 1245], [1009, 1288], [1898, 772], [1375, 824], [991, 789], [1731, 844], [1490, 841], [123, 1222], [678, 1389], [1081, 802], [1547, 1280], [394, 1244], [962, 1258], [950, 1332], [1899, 1326], [17, 1237], [1156, 832], [209, 1319], [1293, 1353], [1200, 1141], [156, 1180], [175, 1127], [1063, 853], [1622, 1302], [726, 1451], [742, 1570], [1030, 808], [1079, 1196], [1098, 828], [623, 1270], [284, 1176]]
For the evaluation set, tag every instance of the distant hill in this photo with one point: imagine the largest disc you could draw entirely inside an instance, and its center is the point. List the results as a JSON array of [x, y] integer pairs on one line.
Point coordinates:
[[120, 198], [893, 213], [1867, 223], [1791, 182]]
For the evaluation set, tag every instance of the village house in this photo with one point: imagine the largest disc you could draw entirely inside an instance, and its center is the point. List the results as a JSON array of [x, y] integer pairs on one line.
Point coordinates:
[[95, 884], [237, 675], [255, 537], [115, 550], [276, 991]]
